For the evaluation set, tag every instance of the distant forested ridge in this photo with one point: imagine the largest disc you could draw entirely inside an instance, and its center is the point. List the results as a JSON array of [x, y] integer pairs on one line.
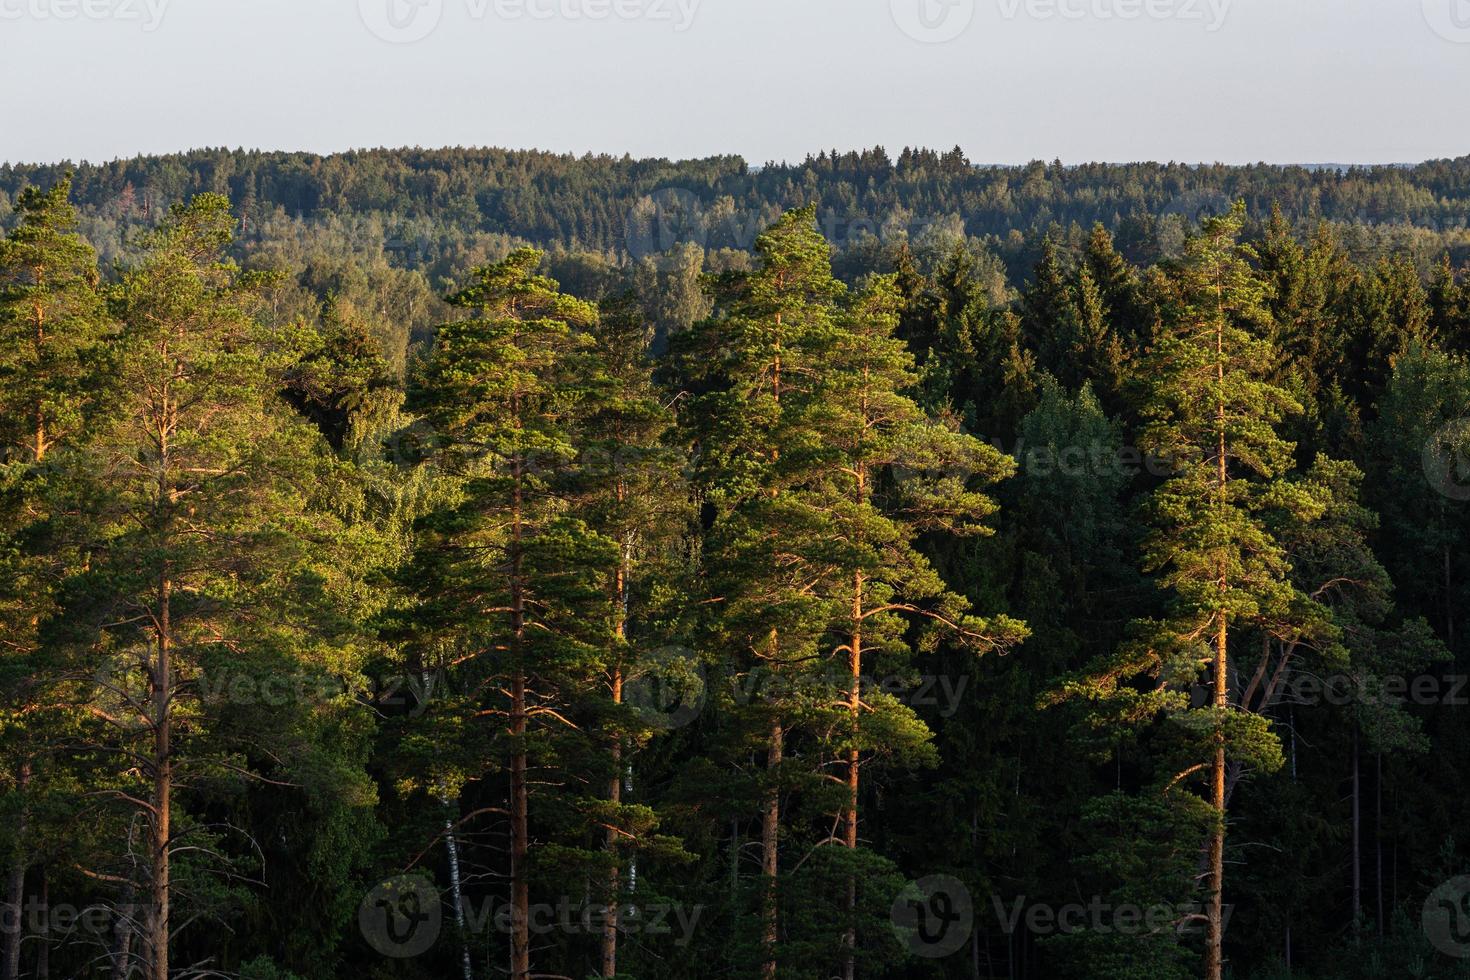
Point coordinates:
[[423, 564], [559, 201], [415, 221]]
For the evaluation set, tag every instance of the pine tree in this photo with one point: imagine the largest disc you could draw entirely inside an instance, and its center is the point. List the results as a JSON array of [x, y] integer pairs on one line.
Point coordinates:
[[869, 428], [1384, 311], [1068, 317], [1074, 475], [1304, 283], [515, 580], [755, 363], [637, 498], [52, 322], [213, 561], [1213, 417]]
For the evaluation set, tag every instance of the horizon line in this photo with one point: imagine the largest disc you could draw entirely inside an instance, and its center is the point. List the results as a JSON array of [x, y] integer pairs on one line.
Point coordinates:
[[603, 154]]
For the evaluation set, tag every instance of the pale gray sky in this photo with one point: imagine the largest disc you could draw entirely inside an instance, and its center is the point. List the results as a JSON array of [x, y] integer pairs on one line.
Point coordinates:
[[1008, 80]]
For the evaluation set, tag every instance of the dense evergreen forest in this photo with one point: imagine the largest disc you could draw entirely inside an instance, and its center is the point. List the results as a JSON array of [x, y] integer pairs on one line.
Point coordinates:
[[475, 563]]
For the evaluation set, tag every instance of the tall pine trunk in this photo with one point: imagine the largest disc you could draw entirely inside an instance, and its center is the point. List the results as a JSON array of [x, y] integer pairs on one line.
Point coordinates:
[[39, 312], [771, 819], [854, 707], [1357, 836], [614, 875], [1378, 838], [1215, 939], [520, 843], [520, 891], [615, 785], [161, 802], [770, 843]]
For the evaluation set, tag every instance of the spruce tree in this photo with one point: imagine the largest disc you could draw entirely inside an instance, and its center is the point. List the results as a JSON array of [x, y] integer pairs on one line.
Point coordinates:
[[1120, 288], [1098, 356], [1418, 447], [1450, 317], [1049, 312]]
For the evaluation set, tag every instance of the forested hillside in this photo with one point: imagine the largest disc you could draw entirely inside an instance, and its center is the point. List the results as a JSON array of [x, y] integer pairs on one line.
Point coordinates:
[[473, 564], [364, 226]]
